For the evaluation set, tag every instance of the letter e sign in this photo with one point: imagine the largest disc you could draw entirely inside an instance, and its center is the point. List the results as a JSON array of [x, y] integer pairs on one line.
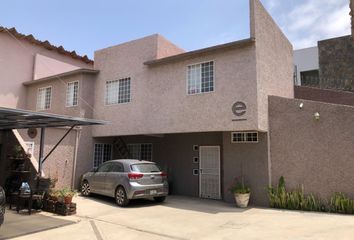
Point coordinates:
[[239, 108]]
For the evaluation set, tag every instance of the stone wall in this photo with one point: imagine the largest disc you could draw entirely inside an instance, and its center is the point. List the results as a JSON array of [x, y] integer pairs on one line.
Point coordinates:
[[336, 60]]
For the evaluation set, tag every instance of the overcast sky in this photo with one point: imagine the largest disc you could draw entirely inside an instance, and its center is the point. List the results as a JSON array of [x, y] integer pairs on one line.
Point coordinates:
[[89, 25]]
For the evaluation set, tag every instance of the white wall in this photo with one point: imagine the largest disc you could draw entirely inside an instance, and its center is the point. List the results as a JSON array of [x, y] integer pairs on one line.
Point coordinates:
[[305, 60]]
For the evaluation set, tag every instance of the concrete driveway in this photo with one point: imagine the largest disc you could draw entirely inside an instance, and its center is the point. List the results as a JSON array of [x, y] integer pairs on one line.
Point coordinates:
[[187, 218]]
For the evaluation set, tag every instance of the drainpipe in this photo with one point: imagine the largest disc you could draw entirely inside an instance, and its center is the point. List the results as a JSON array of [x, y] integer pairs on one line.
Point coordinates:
[[78, 133]]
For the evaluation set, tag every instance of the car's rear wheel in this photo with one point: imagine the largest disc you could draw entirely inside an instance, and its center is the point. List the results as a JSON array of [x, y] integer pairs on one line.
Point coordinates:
[[159, 199], [85, 189], [121, 197]]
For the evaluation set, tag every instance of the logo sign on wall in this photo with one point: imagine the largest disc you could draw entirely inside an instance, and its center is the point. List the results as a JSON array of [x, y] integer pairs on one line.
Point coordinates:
[[239, 109]]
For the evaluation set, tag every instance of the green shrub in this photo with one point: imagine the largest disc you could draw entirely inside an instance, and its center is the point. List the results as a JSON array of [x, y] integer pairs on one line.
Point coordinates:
[[279, 197], [341, 204]]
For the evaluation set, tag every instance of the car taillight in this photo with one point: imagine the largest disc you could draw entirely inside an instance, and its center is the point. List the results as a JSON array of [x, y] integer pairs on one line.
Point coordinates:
[[163, 174], [135, 175]]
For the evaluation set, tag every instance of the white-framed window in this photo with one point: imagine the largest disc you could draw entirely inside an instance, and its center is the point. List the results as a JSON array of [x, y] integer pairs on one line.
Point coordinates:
[[244, 137], [29, 147], [44, 98], [102, 153], [117, 91], [72, 92], [140, 151], [200, 78]]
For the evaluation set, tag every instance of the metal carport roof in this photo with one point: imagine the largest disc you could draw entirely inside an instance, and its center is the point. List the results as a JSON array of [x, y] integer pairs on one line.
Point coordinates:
[[21, 119], [18, 119]]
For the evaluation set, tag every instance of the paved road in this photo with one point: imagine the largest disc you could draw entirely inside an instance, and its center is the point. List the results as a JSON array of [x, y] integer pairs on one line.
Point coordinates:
[[187, 218]]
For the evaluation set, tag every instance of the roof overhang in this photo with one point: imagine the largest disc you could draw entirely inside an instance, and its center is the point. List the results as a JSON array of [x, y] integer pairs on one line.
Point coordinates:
[[61, 75], [200, 52], [21, 119]]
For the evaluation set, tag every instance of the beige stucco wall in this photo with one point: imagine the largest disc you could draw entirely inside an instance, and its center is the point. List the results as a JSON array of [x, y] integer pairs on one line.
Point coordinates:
[[318, 154], [274, 54], [159, 101], [16, 66]]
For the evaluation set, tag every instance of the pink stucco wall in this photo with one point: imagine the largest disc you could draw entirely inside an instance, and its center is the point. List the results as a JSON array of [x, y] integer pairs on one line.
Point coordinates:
[[46, 66], [159, 101], [274, 54], [17, 65]]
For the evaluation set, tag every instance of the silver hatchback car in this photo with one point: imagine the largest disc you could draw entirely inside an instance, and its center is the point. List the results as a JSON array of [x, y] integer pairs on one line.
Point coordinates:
[[126, 179]]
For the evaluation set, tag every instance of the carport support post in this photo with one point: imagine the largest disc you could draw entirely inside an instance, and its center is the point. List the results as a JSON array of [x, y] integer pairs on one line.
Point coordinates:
[[41, 148]]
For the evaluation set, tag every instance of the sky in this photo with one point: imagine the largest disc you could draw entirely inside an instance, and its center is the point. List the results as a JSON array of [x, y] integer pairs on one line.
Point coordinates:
[[89, 25]]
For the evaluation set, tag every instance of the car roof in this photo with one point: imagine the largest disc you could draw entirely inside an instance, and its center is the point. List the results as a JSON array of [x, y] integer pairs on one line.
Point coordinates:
[[130, 161]]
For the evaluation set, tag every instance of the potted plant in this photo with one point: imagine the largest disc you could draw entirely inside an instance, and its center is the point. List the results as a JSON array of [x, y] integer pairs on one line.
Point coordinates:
[[241, 193], [66, 195], [18, 152]]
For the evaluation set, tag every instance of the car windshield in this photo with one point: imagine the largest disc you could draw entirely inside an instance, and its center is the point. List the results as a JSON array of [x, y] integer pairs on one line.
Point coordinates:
[[145, 168]]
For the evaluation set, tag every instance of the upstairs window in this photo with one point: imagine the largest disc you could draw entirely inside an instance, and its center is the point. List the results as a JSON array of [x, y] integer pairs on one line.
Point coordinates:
[[200, 78], [72, 94], [44, 98], [117, 91]]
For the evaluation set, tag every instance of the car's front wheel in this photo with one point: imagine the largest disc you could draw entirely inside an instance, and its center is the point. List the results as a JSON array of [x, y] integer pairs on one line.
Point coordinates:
[[85, 189], [121, 197], [159, 199]]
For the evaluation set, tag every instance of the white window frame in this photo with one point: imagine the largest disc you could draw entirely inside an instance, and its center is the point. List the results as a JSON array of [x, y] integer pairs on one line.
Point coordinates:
[[187, 79], [244, 137], [70, 102], [94, 147], [30, 147], [50, 99], [140, 144], [117, 102]]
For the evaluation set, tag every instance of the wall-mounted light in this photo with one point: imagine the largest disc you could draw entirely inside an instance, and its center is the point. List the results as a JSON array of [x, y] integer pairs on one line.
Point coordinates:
[[301, 105], [316, 115]]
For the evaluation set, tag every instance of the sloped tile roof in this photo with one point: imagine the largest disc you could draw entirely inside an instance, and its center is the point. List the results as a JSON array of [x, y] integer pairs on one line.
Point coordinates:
[[45, 44]]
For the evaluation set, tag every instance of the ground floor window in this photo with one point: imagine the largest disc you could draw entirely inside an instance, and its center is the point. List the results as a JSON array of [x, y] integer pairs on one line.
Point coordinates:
[[102, 153], [244, 137], [141, 151]]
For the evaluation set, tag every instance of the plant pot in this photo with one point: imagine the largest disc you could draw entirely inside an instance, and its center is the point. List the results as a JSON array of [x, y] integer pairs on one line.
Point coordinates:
[[242, 199], [68, 199]]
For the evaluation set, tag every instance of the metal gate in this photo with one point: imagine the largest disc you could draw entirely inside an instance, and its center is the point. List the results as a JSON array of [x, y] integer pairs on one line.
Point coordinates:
[[209, 172]]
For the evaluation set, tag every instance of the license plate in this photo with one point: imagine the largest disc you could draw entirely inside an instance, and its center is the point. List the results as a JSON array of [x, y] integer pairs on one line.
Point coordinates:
[[152, 192]]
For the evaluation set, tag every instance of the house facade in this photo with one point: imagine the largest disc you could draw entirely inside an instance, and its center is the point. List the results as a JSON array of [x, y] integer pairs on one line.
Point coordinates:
[[201, 115]]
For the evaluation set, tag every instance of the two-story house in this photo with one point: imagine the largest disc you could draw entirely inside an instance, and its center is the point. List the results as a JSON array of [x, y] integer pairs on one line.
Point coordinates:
[[201, 115]]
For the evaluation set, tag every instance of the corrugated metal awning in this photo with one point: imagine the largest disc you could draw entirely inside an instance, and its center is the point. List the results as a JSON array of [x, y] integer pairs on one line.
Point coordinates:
[[19, 119]]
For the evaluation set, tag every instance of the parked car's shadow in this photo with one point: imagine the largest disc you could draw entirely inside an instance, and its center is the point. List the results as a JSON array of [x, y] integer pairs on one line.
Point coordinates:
[[132, 204], [179, 202]]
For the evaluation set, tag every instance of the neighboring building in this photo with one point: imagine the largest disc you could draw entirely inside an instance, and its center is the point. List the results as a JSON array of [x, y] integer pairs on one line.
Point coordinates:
[[328, 65], [306, 67]]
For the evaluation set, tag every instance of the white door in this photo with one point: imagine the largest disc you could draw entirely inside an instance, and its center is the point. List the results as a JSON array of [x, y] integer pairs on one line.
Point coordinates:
[[209, 172]]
